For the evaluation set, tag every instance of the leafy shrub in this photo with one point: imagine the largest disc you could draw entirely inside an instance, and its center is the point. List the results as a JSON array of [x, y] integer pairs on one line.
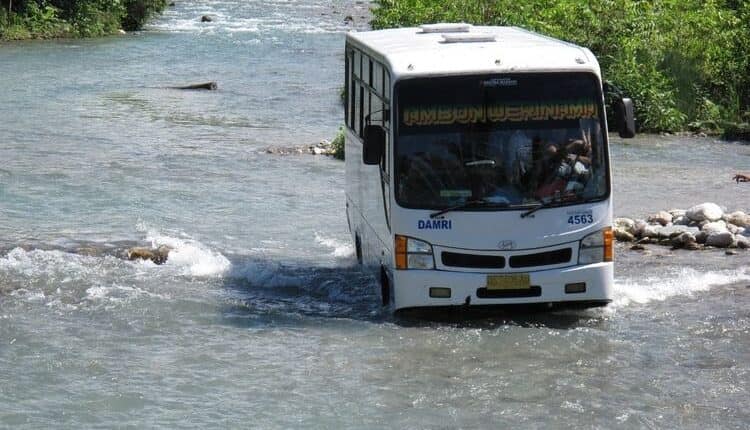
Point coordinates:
[[337, 145]]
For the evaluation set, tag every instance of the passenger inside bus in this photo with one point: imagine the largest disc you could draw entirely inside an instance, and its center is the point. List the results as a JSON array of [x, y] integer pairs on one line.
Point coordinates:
[[502, 167]]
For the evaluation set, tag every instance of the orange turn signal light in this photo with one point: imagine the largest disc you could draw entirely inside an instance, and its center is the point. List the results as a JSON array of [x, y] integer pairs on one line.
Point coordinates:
[[609, 251], [400, 246]]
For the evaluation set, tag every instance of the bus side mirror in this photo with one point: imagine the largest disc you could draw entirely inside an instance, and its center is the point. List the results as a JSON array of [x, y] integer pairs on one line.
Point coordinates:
[[374, 144], [625, 117]]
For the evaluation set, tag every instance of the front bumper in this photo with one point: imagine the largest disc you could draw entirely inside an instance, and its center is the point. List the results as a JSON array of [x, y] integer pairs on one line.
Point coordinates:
[[411, 288]]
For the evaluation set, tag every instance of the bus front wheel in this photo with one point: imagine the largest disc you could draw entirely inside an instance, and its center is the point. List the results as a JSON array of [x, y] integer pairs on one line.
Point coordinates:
[[385, 288], [358, 248]]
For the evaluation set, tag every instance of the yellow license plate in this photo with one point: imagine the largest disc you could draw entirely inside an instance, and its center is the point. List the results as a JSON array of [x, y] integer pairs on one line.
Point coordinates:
[[516, 281]]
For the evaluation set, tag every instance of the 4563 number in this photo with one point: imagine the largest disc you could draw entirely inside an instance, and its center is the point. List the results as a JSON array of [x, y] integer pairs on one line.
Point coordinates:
[[581, 219]]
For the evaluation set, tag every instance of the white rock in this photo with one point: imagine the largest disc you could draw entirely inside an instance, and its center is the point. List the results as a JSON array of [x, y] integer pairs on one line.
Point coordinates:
[[677, 212], [625, 224], [623, 235], [705, 211], [638, 228], [720, 240], [715, 227], [739, 218], [661, 217], [675, 230], [650, 231], [733, 228], [683, 239]]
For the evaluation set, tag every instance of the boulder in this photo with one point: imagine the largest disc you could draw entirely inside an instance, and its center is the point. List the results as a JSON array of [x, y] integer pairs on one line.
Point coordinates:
[[701, 237], [714, 227], [677, 212], [742, 242], [625, 224], [638, 228], [158, 255], [623, 235], [720, 240], [675, 230], [650, 231], [705, 211], [661, 217], [681, 240], [681, 220], [739, 218], [206, 18]]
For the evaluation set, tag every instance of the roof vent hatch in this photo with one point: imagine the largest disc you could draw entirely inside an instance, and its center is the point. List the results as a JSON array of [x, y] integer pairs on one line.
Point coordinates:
[[468, 38], [446, 27]]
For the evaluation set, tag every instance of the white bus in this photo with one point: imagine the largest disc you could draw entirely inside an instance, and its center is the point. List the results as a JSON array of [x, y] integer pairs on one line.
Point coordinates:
[[477, 167]]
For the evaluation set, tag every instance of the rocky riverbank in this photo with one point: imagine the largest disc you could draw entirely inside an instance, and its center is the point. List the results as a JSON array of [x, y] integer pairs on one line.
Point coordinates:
[[700, 227]]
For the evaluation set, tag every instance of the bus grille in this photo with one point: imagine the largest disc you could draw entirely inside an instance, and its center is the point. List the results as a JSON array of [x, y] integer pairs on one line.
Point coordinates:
[[549, 258], [473, 261]]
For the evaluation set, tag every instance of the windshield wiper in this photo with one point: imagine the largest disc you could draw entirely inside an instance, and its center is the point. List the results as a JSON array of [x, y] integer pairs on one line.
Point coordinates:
[[550, 203], [464, 205], [537, 207]]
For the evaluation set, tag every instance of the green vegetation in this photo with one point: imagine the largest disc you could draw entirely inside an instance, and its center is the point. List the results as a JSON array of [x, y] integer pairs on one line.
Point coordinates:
[[686, 63], [45, 19], [337, 145]]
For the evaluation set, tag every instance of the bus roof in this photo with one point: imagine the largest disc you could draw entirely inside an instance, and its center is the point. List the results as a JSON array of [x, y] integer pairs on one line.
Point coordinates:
[[446, 49]]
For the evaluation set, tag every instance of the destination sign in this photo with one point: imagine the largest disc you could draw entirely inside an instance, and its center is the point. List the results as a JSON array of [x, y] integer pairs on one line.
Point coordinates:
[[514, 112]]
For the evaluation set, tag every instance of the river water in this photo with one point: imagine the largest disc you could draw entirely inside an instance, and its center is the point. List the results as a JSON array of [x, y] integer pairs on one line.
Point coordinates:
[[260, 318]]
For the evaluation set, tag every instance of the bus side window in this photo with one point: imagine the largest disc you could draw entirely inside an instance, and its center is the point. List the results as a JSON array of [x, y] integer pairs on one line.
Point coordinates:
[[356, 93], [387, 85], [362, 115], [347, 87], [378, 79]]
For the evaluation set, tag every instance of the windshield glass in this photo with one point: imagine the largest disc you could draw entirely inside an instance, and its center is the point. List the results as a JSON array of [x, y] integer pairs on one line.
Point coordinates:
[[513, 140]]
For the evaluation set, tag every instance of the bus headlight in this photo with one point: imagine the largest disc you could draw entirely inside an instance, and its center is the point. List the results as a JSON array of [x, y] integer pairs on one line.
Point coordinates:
[[413, 254], [596, 247]]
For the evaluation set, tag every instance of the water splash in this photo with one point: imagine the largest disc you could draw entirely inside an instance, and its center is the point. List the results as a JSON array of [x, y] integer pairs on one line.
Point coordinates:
[[194, 257], [679, 281], [341, 250]]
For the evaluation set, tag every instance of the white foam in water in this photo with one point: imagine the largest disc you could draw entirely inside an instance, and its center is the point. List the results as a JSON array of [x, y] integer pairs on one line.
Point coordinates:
[[243, 18], [193, 256], [340, 249], [681, 282], [36, 263]]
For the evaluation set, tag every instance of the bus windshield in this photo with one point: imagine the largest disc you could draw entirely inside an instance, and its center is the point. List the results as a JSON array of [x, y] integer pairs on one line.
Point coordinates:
[[504, 141]]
